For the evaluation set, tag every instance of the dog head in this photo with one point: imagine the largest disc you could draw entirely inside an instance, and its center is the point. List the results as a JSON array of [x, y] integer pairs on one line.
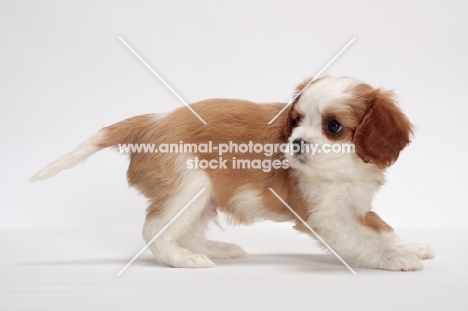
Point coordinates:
[[342, 124]]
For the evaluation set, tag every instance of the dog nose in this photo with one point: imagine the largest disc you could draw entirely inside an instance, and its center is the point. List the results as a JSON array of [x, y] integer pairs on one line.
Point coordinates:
[[298, 145]]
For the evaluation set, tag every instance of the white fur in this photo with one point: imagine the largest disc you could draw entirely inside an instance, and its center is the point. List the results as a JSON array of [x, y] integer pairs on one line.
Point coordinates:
[[337, 207], [314, 101], [166, 247], [71, 159], [196, 241], [183, 244], [324, 93]]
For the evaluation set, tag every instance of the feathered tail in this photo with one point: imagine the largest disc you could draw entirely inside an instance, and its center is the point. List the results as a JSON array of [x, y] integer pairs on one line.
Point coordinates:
[[126, 131]]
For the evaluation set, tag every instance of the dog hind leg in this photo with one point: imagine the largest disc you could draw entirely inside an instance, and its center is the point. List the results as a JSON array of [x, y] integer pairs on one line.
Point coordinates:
[[196, 241], [167, 248]]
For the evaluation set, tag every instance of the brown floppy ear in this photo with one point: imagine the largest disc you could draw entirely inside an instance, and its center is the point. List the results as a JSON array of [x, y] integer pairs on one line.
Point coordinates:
[[293, 115], [384, 130]]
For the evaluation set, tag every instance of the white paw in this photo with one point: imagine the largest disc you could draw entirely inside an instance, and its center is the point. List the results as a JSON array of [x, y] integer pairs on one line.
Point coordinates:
[[423, 251], [194, 261], [225, 250], [402, 262]]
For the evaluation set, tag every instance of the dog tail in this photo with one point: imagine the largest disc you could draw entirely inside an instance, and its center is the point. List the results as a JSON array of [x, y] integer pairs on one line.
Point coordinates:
[[125, 132]]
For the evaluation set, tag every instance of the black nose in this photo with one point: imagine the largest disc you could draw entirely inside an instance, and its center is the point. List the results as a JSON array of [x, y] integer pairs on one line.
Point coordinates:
[[298, 146]]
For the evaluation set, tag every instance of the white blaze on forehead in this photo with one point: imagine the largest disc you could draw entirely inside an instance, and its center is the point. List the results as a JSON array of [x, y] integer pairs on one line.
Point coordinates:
[[325, 93]]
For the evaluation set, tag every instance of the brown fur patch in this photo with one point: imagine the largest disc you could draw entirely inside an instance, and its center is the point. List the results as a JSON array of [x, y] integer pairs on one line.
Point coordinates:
[[301, 86], [346, 116], [384, 130], [158, 175], [155, 175], [241, 122], [372, 221], [126, 131]]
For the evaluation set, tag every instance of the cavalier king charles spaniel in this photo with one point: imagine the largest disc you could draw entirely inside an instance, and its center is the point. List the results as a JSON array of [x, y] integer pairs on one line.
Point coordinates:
[[331, 190]]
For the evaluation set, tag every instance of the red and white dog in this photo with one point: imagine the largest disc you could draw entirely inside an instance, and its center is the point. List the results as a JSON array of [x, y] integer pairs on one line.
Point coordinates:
[[331, 191]]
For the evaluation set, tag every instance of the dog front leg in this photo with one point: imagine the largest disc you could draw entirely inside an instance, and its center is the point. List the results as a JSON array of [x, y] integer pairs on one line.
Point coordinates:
[[367, 241]]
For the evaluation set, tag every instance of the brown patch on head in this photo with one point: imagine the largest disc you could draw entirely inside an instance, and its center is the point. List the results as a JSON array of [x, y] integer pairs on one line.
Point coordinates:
[[384, 130], [301, 86], [346, 116], [349, 115], [294, 116], [372, 221]]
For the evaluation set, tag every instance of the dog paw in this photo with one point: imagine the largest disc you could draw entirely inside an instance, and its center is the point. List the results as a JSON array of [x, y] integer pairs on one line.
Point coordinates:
[[402, 262], [422, 251], [194, 261], [225, 250]]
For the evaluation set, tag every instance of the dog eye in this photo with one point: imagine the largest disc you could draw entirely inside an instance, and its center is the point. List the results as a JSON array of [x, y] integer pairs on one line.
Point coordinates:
[[334, 127], [295, 122]]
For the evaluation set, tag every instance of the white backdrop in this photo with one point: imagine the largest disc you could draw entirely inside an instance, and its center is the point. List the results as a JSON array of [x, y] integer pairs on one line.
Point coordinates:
[[64, 75]]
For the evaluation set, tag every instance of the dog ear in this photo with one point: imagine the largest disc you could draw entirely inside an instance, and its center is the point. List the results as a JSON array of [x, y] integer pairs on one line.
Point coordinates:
[[291, 121], [293, 115], [384, 130]]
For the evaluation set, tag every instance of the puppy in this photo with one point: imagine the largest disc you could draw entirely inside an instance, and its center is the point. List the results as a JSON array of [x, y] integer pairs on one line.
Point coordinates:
[[331, 191]]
